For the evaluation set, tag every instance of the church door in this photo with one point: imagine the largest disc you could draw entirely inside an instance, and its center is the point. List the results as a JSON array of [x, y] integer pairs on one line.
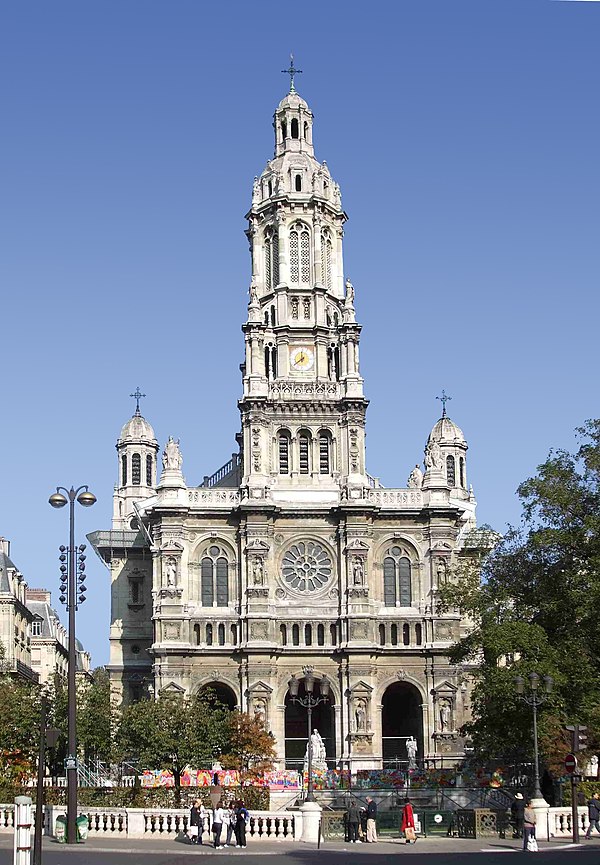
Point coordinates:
[[402, 718], [296, 730]]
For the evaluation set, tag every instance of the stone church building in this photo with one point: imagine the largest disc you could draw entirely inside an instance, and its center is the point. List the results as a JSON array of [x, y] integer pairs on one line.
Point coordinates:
[[291, 556]]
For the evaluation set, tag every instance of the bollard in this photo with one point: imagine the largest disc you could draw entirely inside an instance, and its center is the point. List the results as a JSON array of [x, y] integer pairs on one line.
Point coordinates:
[[22, 848]]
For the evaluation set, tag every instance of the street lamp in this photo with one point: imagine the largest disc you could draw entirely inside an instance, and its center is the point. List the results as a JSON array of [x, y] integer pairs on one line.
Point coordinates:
[[534, 698], [309, 701], [72, 594]]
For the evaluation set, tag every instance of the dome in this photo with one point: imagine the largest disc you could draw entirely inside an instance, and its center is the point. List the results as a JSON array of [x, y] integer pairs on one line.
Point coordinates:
[[137, 428], [292, 100], [446, 431]]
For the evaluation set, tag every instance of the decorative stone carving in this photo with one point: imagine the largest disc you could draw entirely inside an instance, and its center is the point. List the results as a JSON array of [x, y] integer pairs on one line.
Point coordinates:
[[171, 571], [306, 566], [358, 592], [411, 752], [171, 630], [358, 630], [257, 592], [259, 630], [445, 714], [415, 478], [172, 458]]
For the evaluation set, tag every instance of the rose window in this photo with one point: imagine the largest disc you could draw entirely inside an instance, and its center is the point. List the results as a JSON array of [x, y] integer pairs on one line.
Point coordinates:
[[306, 566]]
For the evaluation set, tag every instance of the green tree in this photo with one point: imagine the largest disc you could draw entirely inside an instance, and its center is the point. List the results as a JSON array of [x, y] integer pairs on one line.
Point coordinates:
[[96, 717], [19, 728], [250, 748], [533, 607], [174, 732]]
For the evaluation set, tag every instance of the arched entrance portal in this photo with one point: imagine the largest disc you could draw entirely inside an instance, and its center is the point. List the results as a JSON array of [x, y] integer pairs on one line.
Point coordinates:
[[296, 729], [222, 694], [401, 718]]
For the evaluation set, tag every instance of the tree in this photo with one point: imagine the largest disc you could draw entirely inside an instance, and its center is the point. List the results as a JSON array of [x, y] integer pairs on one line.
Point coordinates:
[[174, 732], [19, 728], [250, 748], [96, 717], [533, 607]]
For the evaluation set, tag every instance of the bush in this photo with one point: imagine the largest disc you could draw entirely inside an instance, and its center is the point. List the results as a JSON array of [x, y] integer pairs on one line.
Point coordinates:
[[256, 798]]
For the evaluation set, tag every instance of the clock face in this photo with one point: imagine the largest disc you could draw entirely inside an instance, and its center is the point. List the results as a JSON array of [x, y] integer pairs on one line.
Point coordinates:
[[302, 358]]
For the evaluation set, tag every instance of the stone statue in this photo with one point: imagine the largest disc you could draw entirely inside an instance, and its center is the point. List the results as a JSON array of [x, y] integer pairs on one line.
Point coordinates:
[[358, 571], [260, 711], [171, 571], [172, 458], [360, 716], [318, 749], [445, 715], [441, 571], [411, 751], [433, 456], [415, 478], [253, 295], [349, 293], [591, 770], [256, 190], [257, 572]]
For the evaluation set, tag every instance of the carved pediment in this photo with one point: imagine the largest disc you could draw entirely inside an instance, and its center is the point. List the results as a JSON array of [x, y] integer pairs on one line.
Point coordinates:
[[357, 546], [257, 545], [360, 688], [172, 546], [260, 687], [173, 688], [444, 688]]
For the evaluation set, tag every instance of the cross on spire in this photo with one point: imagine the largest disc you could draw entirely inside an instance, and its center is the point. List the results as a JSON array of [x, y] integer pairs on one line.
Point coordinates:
[[291, 72], [443, 399], [137, 397]]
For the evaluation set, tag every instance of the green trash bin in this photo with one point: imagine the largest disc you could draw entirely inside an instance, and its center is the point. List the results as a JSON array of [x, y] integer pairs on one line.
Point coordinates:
[[82, 828], [60, 831]]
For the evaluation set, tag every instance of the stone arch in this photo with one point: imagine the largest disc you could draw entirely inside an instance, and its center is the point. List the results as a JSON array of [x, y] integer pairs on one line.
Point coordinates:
[[223, 692], [401, 718], [296, 724]]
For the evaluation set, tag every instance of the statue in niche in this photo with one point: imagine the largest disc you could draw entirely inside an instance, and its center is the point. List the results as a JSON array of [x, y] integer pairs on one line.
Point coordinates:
[[441, 571], [171, 571], [358, 571], [349, 293], [172, 458], [260, 711], [360, 716], [256, 190], [415, 478], [258, 573], [328, 316], [411, 751], [433, 456], [445, 715], [253, 295]]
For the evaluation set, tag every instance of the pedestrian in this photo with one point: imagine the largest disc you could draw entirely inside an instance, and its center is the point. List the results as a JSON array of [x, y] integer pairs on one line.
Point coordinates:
[[352, 819], [217, 825], [196, 822], [529, 841], [362, 827], [227, 828], [593, 814], [371, 821], [242, 818], [516, 815], [229, 818], [408, 822]]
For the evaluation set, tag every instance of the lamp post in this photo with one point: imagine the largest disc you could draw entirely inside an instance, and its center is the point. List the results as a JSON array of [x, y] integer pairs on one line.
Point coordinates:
[[534, 699], [72, 582], [309, 701]]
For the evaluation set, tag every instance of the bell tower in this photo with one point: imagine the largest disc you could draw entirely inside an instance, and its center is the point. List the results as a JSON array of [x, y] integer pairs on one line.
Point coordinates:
[[303, 408]]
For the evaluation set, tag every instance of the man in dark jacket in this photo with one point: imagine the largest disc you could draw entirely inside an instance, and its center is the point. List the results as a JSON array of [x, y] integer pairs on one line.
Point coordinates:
[[517, 810], [371, 821], [352, 818], [593, 814]]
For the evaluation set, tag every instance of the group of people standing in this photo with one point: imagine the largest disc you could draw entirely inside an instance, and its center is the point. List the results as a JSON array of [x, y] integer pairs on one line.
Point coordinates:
[[361, 823], [523, 821], [228, 822]]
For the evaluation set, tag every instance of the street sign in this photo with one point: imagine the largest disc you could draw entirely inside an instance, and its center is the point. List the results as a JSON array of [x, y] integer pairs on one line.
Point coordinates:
[[570, 763], [71, 763]]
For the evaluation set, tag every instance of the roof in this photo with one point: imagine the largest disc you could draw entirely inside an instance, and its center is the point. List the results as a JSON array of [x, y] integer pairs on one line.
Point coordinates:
[[136, 429], [6, 565], [445, 430]]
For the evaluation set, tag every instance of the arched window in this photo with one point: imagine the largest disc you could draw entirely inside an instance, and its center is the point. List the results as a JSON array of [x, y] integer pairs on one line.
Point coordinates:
[[271, 361], [333, 634], [136, 470], [295, 635], [320, 635], [283, 129], [304, 453], [273, 317], [418, 634], [397, 582], [406, 634], [324, 453], [233, 631], [270, 187], [124, 470], [326, 256], [214, 577], [305, 130], [382, 635], [300, 254], [271, 250], [462, 471], [295, 128], [394, 634], [197, 634], [298, 183], [450, 471], [209, 635], [149, 470], [283, 448], [308, 635], [283, 634], [221, 634]]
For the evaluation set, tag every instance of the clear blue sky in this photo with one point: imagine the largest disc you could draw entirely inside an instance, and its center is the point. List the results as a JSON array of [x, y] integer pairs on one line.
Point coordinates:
[[465, 137]]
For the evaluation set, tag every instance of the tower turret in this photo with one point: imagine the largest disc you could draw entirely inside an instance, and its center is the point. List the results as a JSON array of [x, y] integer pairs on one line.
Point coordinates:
[[137, 448]]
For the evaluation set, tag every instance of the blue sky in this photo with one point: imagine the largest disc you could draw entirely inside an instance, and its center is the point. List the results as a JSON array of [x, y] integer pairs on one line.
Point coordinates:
[[464, 135]]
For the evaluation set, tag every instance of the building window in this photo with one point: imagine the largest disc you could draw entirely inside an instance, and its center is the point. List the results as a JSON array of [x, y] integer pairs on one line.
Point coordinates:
[[304, 453], [394, 631], [271, 361], [382, 635], [450, 471], [197, 634], [418, 634], [333, 634], [124, 470], [283, 634], [326, 256], [149, 470], [284, 453], [136, 470], [397, 585], [271, 250], [320, 635], [221, 634], [324, 453], [295, 130], [308, 635], [298, 183], [300, 254], [36, 629], [233, 631], [209, 635], [462, 471], [295, 635], [214, 578], [406, 634]]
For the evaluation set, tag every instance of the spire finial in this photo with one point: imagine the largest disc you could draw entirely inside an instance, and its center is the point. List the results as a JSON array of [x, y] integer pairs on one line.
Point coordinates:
[[137, 396], [443, 399], [291, 72]]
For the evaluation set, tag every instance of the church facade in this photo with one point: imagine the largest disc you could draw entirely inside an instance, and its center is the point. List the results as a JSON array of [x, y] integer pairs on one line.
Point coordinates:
[[291, 557]]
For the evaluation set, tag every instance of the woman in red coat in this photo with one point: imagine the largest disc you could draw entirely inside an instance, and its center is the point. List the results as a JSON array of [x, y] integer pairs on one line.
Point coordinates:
[[408, 823]]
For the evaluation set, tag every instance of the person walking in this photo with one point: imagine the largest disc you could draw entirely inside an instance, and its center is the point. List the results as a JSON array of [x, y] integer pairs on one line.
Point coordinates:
[[371, 821], [529, 827], [516, 814], [242, 818], [352, 818], [217, 825], [408, 822], [593, 814], [196, 822]]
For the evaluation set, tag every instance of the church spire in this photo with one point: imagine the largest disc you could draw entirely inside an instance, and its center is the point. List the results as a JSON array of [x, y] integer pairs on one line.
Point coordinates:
[[292, 71]]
